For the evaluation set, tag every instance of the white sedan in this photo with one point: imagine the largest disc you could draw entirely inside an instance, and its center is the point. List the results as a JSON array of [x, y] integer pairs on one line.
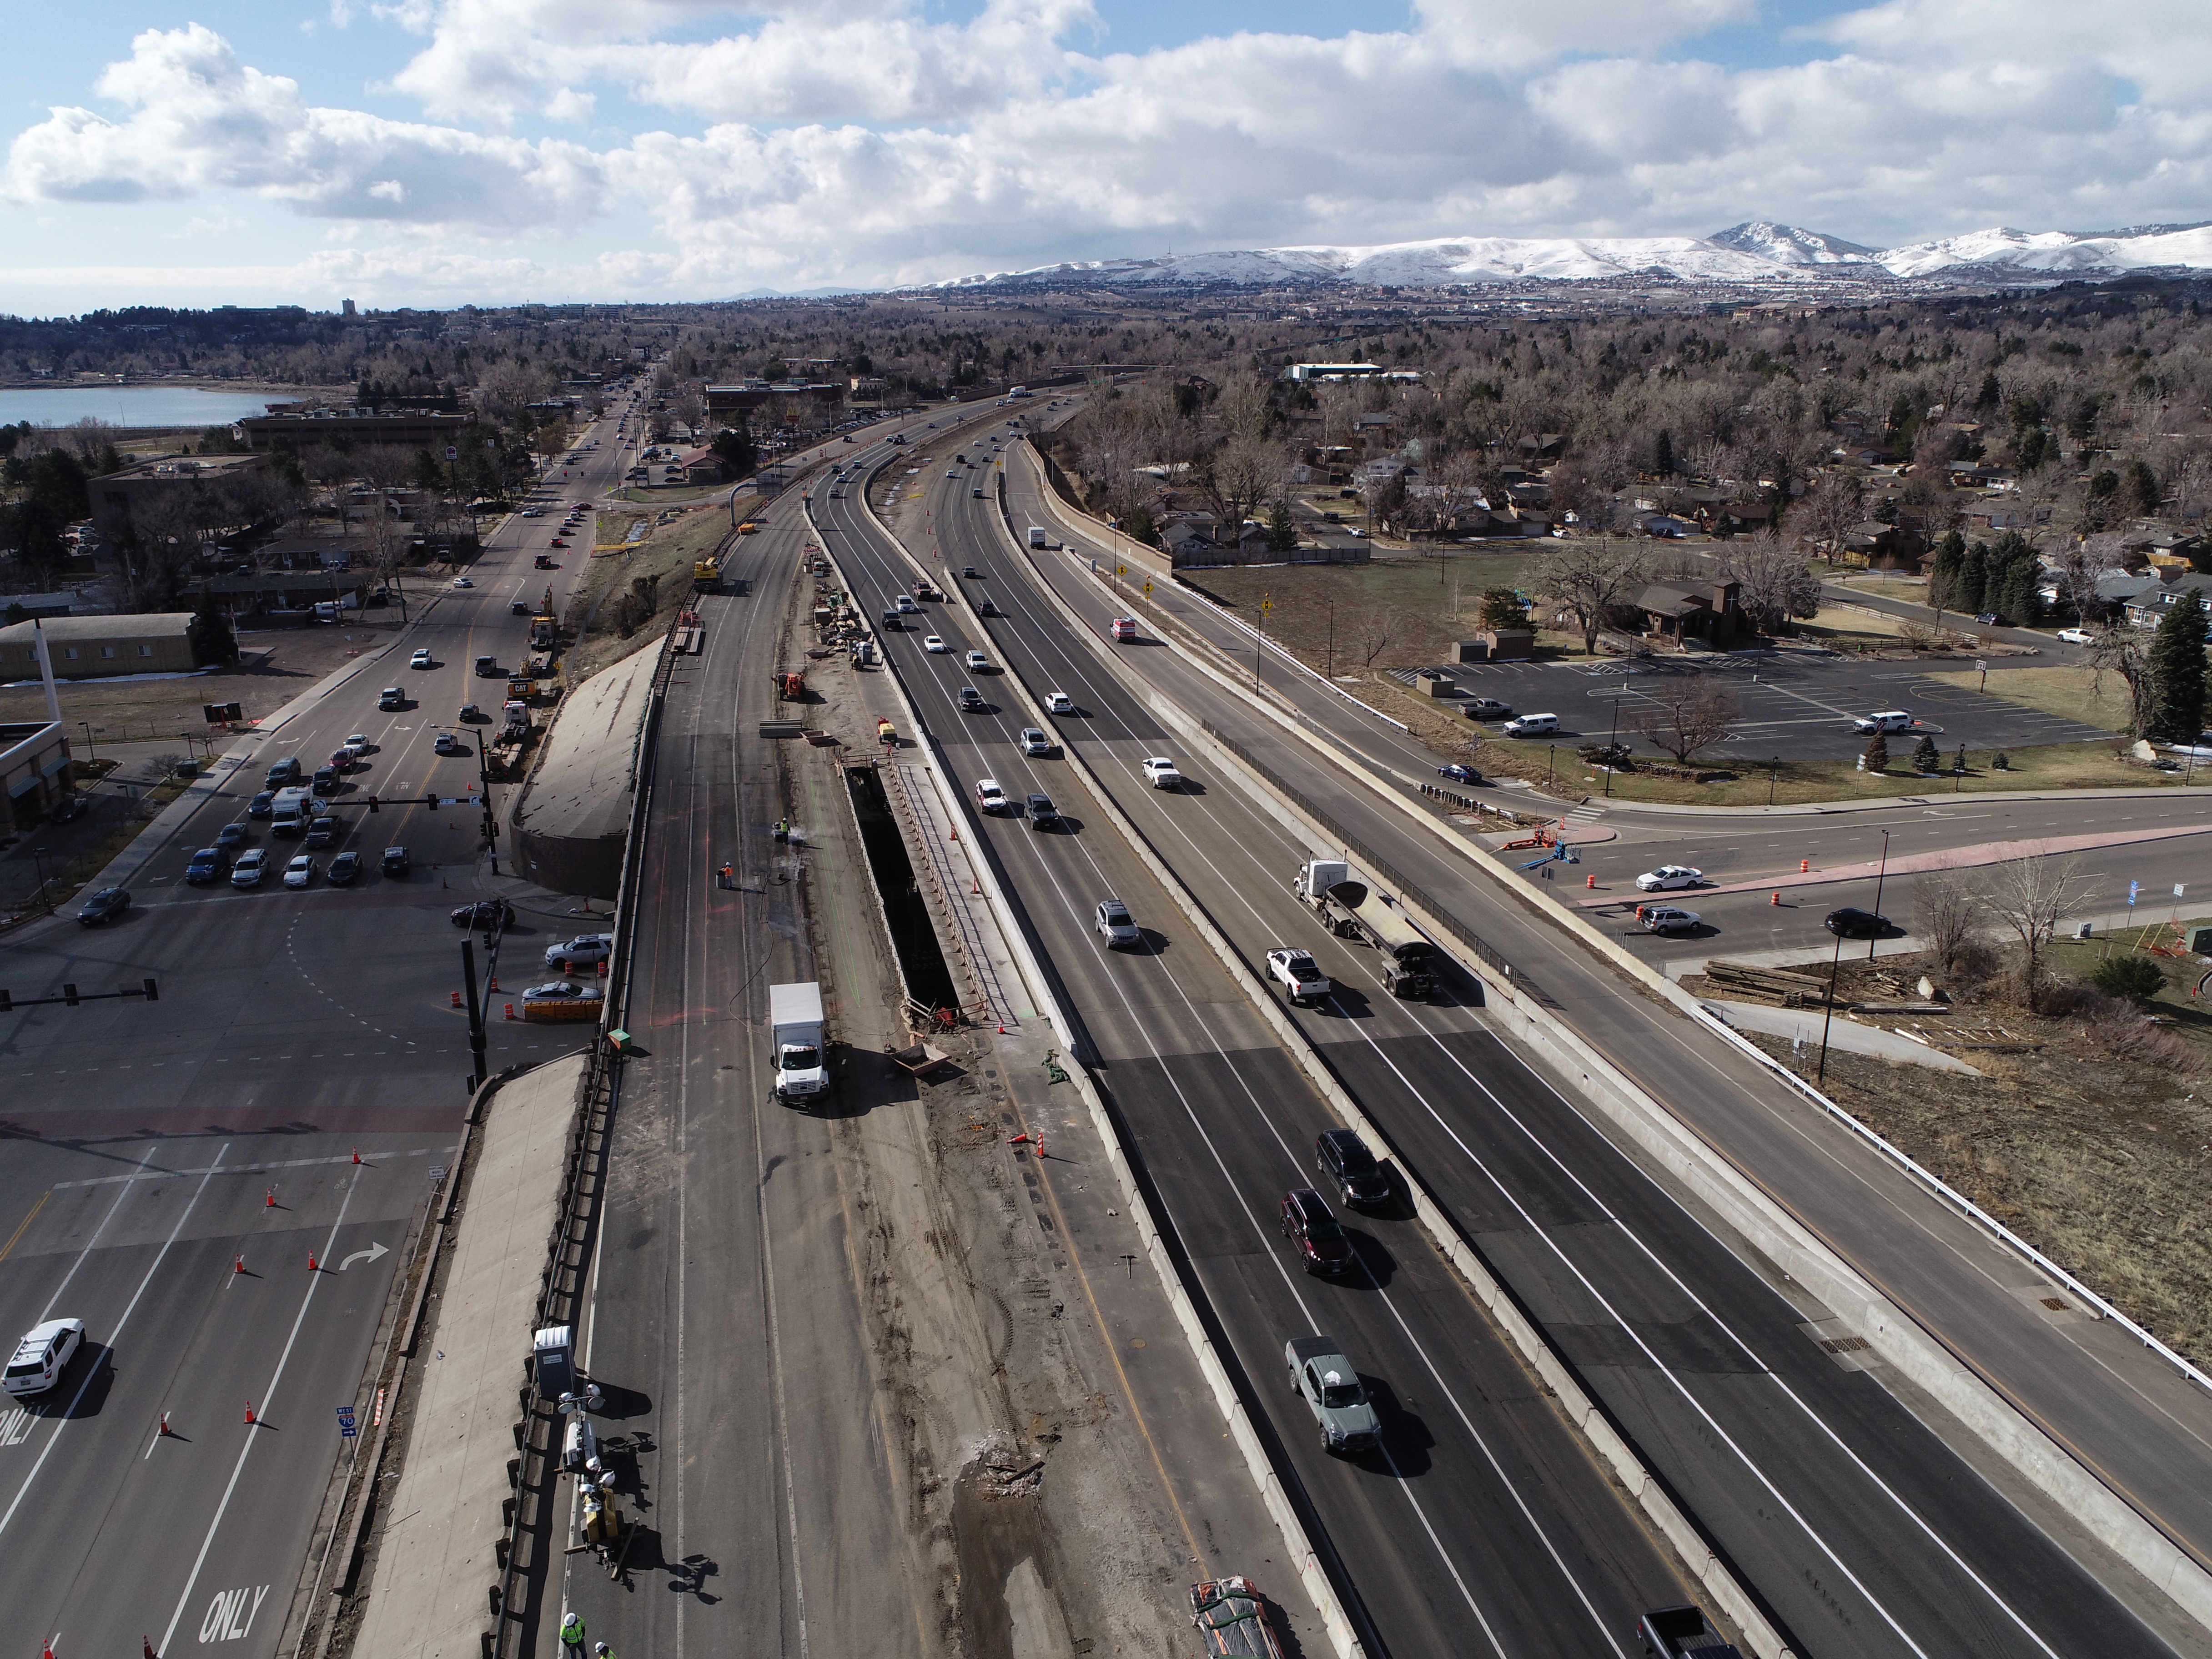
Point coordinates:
[[1667, 877], [299, 871], [462, 581], [933, 643], [2077, 636]]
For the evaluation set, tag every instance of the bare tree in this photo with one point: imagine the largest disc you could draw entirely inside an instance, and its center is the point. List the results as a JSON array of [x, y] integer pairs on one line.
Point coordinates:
[[1242, 473], [1589, 579], [1949, 909], [1374, 630], [1685, 713], [1824, 514], [2080, 567], [2125, 652], [1772, 584], [2029, 896]]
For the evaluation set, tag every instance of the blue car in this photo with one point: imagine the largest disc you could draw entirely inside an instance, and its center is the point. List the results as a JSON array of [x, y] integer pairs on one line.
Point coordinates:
[[209, 866]]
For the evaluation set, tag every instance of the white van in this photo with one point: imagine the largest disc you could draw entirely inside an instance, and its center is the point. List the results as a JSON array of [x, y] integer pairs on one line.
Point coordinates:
[[1531, 726], [1889, 719]]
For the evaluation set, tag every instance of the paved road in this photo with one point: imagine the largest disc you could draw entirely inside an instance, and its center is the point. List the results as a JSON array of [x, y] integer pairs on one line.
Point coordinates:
[[293, 1029], [1483, 1522], [1859, 1527]]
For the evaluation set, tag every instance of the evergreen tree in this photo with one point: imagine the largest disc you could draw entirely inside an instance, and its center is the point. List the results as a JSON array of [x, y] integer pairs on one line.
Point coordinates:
[[214, 643], [2032, 449], [2177, 667], [1924, 758], [734, 445], [1876, 756], [1282, 529], [2143, 488], [1943, 572], [1662, 454], [1504, 607], [1973, 580]]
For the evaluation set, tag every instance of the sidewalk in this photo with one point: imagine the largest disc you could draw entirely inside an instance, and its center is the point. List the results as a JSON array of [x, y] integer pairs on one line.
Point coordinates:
[[435, 1559]]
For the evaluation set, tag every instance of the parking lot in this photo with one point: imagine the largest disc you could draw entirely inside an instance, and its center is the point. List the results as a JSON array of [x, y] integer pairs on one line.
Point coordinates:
[[1795, 708]]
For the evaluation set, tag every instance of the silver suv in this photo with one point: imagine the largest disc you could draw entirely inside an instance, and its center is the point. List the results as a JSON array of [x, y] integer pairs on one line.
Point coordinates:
[[1114, 925]]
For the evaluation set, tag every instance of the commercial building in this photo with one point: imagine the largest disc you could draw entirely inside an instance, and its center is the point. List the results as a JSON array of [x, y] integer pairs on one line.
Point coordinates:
[[302, 429], [87, 648], [227, 487]]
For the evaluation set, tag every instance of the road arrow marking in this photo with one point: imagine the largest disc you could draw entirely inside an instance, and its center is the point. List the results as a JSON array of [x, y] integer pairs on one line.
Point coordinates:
[[369, 1254]]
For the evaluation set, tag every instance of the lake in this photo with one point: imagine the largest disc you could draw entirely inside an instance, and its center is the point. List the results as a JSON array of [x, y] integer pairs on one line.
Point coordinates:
[[133, 405]]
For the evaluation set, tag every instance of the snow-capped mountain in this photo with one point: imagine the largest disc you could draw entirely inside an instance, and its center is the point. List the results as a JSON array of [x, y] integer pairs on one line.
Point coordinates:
[[1789, 245], [2065, 252], [1756, 251]]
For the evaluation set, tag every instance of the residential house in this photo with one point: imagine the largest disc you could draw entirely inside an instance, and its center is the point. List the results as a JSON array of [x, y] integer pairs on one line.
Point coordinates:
[[2147, 608], [700, 466], [36, 605], [1882, 546]]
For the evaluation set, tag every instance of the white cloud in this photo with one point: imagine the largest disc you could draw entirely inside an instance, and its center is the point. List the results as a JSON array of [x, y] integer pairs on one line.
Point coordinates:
[[878, 144], [200, 120]]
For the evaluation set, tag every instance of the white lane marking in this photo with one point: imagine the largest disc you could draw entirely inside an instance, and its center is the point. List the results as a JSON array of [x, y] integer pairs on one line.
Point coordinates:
[[222, 1622], [91, 1243], [54, 1439], [373, 1251], [240, 1169], [252, 1438]]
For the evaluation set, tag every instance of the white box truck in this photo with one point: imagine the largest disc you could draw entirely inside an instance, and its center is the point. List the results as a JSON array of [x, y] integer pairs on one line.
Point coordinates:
[[1036, 536], [795, 1013], [290, 812]]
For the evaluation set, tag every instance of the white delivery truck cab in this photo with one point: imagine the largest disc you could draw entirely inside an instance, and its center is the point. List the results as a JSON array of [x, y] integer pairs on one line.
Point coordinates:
[[289, 813], [794, 1012]]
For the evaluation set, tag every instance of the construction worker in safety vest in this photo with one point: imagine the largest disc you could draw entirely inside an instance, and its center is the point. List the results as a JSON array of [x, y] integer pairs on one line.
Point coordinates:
[[572, 1637]]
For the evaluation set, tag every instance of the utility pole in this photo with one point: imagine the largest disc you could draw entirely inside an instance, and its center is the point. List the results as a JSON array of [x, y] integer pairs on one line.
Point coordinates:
[[1828, 1013], [491, 818], [476, 1016], [1875, 937]]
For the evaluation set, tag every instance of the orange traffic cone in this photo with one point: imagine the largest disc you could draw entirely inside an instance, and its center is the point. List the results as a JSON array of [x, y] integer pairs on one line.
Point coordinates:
[[272, 1198], [148, 1642], [239, 1266], [164, 1426], [249, 1413], [494, 986], [311, 1262], [1803, 865], [457, 999], [510, 1009], [1774, 898], [356, 1154]]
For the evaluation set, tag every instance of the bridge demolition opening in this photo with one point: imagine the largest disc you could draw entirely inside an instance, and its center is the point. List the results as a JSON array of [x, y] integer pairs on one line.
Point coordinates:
[[921, 964]]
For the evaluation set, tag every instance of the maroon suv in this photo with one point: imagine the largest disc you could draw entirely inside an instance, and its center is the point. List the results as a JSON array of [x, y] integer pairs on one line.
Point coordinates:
[[1319, 1236]]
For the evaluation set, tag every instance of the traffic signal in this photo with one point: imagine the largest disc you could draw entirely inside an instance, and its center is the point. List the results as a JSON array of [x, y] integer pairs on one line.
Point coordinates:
[[372, 803]]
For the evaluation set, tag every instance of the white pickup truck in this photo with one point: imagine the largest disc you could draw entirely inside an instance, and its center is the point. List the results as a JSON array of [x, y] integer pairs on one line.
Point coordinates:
[[1300, 976]]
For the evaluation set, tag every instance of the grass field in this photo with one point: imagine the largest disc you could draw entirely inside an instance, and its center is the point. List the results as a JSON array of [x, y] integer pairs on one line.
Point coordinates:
[[2071, 692]]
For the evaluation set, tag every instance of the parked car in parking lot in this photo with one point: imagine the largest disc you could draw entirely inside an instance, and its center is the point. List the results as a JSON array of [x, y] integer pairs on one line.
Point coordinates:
[[1531, 726], [1485, 709], [1889, 719]]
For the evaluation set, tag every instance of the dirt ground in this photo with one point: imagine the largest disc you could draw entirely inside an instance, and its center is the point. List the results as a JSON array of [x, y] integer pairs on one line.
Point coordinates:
[[2092, 1148], [279, 664], [669, 550]]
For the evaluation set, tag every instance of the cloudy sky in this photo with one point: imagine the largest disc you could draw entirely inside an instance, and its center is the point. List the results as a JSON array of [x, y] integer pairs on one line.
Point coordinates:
[[435, 152]]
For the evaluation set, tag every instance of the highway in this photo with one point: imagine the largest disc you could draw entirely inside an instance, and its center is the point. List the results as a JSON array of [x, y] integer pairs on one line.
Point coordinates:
[[1482, 1525], [148, 1141], [1861, 1527], [2120, 1412]]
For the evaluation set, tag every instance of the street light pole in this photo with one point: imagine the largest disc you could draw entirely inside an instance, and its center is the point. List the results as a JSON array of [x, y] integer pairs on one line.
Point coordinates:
[[91, 755], [491, 820], [1611, 744], [1773, 776], [1875, 938], [38, 857], [1827, 1014]]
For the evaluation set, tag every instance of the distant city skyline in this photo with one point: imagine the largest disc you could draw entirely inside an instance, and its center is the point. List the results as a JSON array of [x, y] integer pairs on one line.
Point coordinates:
[[442, 152]]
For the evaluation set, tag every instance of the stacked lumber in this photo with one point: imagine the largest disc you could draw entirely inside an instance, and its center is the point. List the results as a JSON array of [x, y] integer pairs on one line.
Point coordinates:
[[1742, 981]]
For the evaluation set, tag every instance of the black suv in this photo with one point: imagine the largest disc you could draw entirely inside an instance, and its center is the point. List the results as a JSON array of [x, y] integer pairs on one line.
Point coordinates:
[[1343, 1158], [396, 862], [1043, 814]]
